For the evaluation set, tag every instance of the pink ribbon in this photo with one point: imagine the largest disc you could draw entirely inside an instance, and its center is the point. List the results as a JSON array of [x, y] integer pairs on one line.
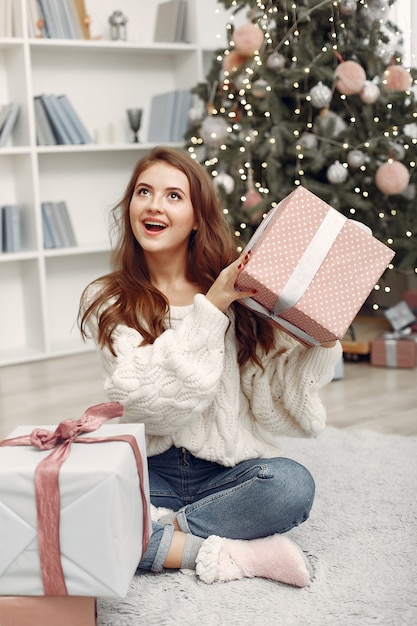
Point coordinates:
[[48, 506]]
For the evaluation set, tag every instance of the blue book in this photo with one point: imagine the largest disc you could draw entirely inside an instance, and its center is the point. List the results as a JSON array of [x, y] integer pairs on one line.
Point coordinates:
[[11, 227], [74, 120], [47, 228], [49, 23], [10, 123], [182, 105], [44, 132], [57, 123], [65, 224], [56, 238], [162, 111]]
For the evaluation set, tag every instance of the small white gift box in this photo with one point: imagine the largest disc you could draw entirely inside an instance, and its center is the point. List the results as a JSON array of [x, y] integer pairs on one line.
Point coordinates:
[[103, 512]]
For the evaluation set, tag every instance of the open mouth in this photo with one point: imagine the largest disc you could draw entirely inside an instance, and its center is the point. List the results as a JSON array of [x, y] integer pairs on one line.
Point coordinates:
[[154, 227]]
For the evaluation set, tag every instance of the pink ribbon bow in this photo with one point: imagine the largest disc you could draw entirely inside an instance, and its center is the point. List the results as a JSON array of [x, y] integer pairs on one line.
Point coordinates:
[[48, 504]]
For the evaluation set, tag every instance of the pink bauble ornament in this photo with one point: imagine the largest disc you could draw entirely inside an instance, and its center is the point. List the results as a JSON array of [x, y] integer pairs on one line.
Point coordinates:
[[397, 78], [233, 61], [248, 39], [252, 198], [350, 78], [256, 217], [348, 7], [392, 177]]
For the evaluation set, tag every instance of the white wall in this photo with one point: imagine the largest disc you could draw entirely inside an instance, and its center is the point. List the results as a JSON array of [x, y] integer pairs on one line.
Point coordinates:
[[404, 14]]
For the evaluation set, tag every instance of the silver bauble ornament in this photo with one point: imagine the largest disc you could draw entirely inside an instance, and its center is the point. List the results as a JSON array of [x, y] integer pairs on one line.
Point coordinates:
[[260, 88], [308, 141], [248, 135], [275, 61], [214, 131], [348, 7], [374, 11], [226, 181], [197, 113], [355, 159], [409, 192], [370, 92], [240, 81], [396, 151], [320, 95], [337, 173], [410, 130], [328, 119]]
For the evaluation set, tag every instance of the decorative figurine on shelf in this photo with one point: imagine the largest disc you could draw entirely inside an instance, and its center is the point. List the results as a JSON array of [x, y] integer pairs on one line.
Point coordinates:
[[135, 119], [118, 21]]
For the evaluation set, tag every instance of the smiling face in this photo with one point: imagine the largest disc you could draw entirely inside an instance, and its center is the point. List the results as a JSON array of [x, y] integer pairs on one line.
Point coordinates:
[[161, 213]]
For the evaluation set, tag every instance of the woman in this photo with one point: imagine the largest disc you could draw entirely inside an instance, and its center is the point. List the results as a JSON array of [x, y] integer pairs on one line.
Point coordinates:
[[214, 384]]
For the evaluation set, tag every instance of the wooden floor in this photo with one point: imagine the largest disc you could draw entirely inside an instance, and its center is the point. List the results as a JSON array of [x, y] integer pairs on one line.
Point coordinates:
[[46, 392]]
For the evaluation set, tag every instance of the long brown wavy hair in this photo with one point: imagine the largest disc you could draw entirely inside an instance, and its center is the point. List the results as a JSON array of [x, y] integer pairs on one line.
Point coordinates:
[[127, 296]]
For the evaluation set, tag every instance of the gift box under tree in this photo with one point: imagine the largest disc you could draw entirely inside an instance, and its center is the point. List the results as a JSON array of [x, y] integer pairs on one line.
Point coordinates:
[[74, 520], [312, 268], [48, 611], [410, 297], [394, 350]]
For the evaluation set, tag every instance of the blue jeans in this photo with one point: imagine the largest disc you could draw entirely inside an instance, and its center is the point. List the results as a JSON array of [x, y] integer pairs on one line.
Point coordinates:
[[255, 498]]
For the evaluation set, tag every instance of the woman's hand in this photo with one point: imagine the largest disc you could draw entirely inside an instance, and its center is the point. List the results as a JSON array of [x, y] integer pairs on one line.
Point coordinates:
[[222, 292]]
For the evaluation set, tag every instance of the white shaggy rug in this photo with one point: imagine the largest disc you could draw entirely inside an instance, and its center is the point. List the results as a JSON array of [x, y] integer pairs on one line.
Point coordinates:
[[361, 539]]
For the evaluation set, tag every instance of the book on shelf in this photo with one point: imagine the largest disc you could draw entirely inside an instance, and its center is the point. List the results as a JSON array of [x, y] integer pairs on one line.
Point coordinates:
[[35, 25], [58, 231], [4, 111], [11, 228], [9, 113], [7, 18], [49, 19], [170, 21], [62, 19], [64, 123], [57, 122], [182, 106], [69, 17], [44, 133], [169, 115], [74, 119]]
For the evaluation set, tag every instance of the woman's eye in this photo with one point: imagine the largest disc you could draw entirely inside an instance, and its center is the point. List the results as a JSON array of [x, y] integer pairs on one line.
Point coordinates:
[[142, 191], [174, 195]]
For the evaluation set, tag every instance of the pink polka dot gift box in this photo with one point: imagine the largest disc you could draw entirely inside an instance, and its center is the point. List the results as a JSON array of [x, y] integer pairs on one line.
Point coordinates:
[[312, 268]]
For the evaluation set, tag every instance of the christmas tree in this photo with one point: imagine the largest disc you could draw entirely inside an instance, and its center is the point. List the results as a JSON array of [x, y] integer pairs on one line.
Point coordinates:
[[312, 93]]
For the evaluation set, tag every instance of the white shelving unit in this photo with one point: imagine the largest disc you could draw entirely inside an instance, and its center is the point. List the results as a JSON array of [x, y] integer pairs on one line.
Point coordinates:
[[40, 289]]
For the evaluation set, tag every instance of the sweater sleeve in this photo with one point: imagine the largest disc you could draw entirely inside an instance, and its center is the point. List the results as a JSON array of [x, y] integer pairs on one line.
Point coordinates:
[[166, 383], [284, 397]]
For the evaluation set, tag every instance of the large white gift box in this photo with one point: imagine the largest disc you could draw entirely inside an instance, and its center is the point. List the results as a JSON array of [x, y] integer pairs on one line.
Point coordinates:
[[104, 517]]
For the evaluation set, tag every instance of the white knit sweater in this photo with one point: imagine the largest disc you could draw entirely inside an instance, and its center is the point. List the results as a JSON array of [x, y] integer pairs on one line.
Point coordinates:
[[189, 391]]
